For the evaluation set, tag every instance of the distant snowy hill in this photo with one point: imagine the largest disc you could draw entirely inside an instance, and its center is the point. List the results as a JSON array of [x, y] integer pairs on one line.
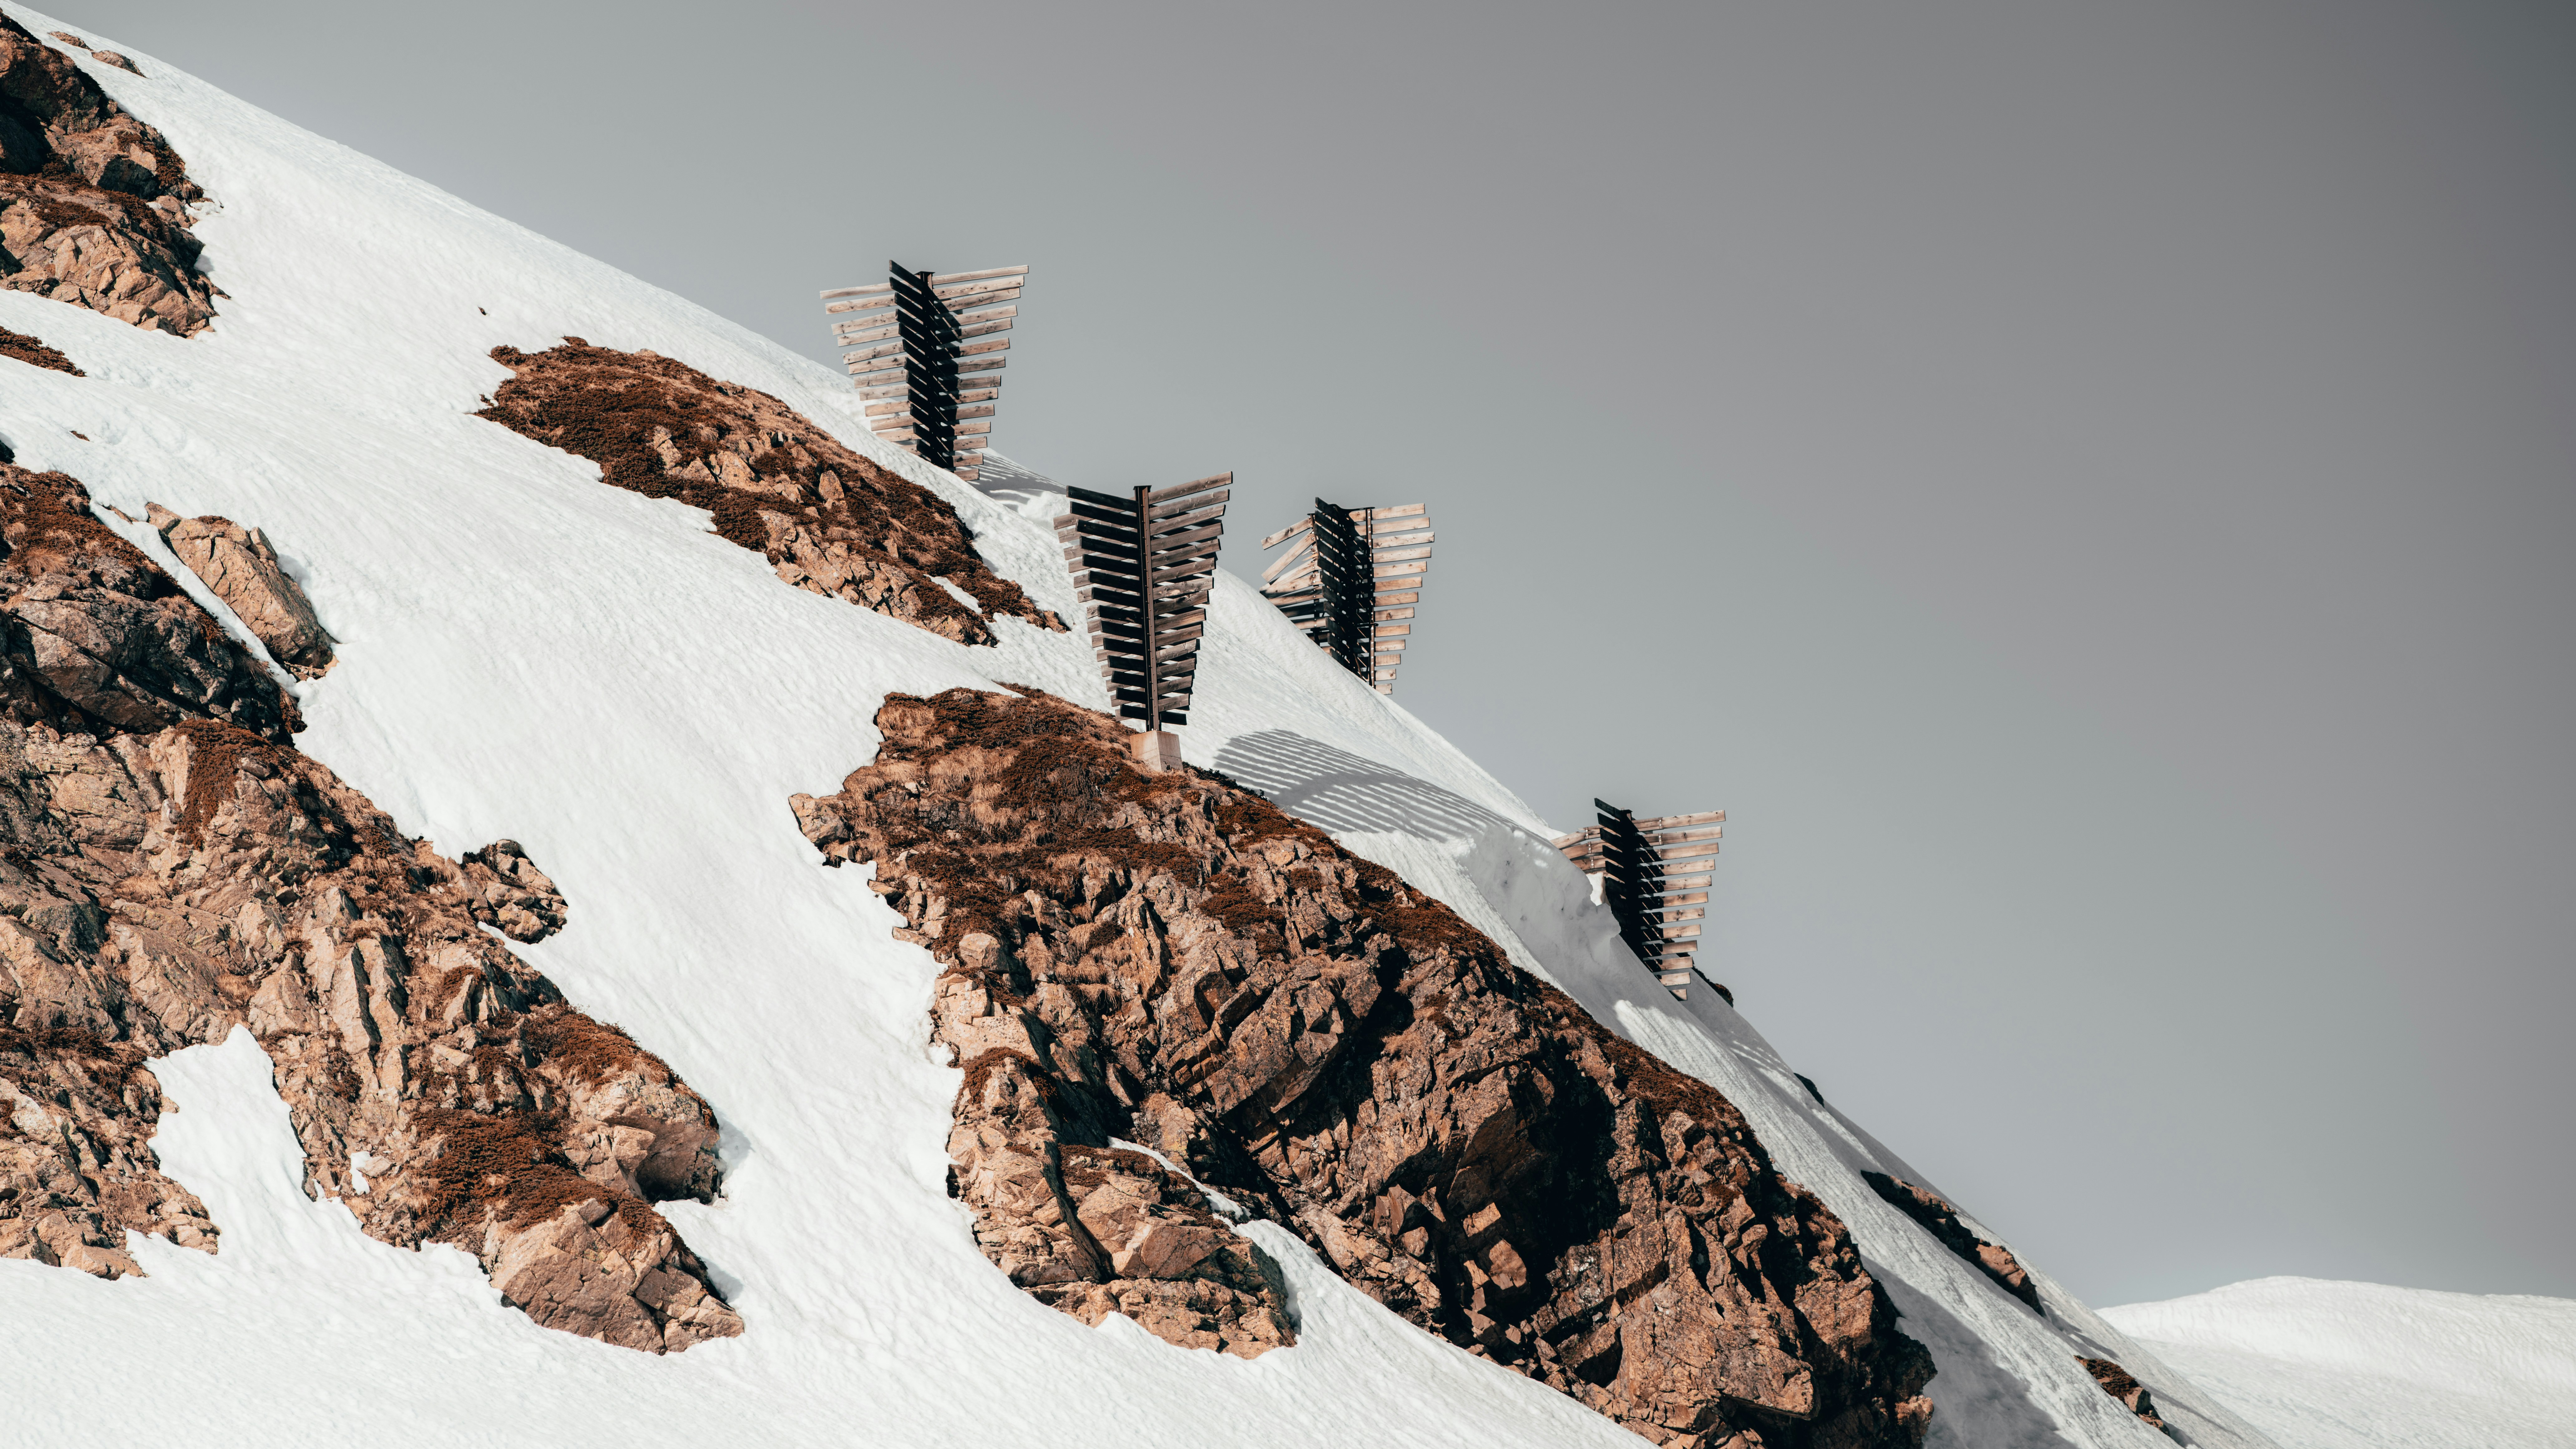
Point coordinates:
[[2323, 1365], [524, 654]]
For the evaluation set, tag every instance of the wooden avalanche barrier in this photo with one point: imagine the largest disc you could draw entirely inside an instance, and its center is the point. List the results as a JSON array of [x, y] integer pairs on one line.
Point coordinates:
[[1144, 566], [1350, 579], [926, 382], [1654, 877]]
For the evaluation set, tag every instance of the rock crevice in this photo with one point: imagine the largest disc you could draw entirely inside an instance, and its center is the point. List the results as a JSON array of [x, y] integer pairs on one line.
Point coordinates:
[[1168, 960]]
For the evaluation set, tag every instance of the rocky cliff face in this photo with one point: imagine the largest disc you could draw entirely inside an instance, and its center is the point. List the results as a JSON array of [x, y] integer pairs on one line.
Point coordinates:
[[1168, 961], [1942, 1221], [171, 866], [831, 521], [243, 570], [93, 202]]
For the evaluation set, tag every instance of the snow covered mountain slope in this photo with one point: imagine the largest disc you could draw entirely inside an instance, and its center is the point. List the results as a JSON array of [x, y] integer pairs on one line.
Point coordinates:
[[2325, 1365], [524, 653]]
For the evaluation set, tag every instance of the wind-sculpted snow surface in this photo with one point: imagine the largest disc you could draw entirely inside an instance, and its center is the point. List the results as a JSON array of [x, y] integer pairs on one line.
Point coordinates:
[[1168, 959], [93, 202], [831, 521], [170, 865]]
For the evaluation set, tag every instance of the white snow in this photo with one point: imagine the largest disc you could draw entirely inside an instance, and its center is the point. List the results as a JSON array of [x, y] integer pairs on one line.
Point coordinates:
[[527, 653], [2326, 1365]]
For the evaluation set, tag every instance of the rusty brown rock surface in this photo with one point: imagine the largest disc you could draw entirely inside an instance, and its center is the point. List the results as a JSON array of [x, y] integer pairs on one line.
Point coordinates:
[[830, 521], [2132, 1395], [93, 202], [1168, 960], [171, 867], [242, 568], [1942, 1221]]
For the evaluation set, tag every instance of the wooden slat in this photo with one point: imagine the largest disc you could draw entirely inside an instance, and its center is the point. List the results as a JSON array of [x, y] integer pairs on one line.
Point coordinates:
[[1690, 852], [985, 330], [870, 290], [949, 293], [1399, 555], [945, 278], [1294, 558], [866, 306], [1684, 836], [1398, 510], [1674, 822], [855, 336], [984, 364], [1170, 528], [1162, 511], [1300, 526], [1165, 495], [869, 392]]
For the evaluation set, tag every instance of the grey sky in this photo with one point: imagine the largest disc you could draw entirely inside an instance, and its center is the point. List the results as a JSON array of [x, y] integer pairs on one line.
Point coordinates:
[[2089, 487]]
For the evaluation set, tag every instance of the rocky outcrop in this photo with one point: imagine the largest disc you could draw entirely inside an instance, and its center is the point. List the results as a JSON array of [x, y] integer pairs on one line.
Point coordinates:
[[830, 521], [1167, 961], [242, 568], [33, 351], [1942, 1221], [171, 866], [93, 202], [2132, 1395]]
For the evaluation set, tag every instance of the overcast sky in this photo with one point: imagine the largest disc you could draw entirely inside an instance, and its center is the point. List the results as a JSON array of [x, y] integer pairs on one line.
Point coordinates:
[[2088, 487]]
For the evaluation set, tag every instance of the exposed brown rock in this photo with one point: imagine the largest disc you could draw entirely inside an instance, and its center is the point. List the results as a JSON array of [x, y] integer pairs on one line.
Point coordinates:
[[96, 639], [2132, 1395], [33, 350], [241, 566], [171, 866], [93, 202], [830, 520], [1942, 1221], [1168, 960], [115, 58]]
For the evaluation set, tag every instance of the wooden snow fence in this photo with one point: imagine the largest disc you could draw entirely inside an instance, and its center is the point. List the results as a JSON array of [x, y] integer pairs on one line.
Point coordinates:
[[926, 354], [1145, 566], [1654, 877], [1350, 579]]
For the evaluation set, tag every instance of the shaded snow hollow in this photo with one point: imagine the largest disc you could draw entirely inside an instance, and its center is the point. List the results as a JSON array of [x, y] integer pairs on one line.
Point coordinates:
[[527, 654]]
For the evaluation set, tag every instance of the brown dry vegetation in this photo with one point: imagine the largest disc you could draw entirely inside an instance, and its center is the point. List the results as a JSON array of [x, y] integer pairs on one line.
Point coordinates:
[[832, 521], [33, 351]]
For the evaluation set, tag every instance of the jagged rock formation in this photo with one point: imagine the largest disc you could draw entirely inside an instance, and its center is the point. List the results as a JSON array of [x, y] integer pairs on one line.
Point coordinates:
[[93, 202], [32, 350], [242, 568], [2132, 1395], [171, 866], [1168, 960], [831, 521], [1942, 1221]]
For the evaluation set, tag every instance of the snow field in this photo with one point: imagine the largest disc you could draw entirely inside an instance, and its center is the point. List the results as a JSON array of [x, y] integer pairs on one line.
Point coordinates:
[[527, 653]]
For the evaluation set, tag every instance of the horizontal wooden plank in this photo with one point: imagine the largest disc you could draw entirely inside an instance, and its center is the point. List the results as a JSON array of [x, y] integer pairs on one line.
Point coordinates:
[[860, 335], [1683, 835], [868, 305], [1689, 852], [951, 292], [1165, 495], [1397, 510], [1171, 527], [870, 290], [1160, 512], [1382, 615], [1386, 556], [1670, 822], [985, 329], [984, 364], [944, 278], [1293, 558]]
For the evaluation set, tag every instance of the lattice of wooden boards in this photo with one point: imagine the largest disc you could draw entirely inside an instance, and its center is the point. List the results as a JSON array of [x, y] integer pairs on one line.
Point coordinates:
[[1145, 566], [926, 353], [1351, 578], [1654, 877]]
